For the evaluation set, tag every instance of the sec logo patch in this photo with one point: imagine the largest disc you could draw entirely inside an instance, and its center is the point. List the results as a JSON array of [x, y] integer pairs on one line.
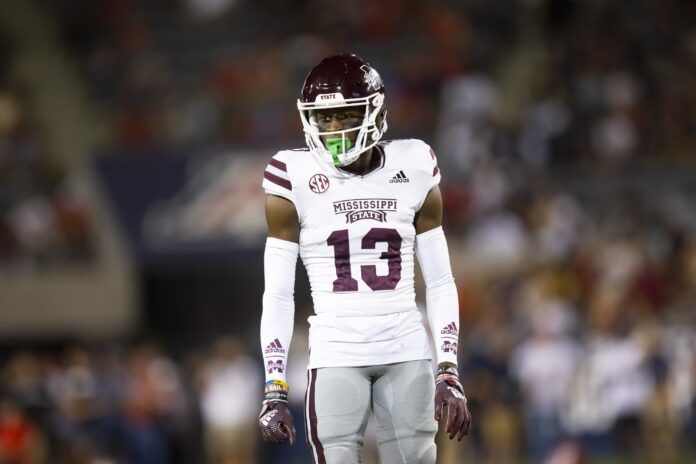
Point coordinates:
[[319, 183]]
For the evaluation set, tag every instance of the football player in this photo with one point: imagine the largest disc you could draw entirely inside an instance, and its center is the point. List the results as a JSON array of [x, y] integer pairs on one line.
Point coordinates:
[[357, 210]]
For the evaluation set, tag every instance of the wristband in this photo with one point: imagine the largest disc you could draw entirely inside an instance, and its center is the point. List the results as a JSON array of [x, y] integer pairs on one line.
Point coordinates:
[[277, 396], [446, 377], [449, 369], [276, 386]]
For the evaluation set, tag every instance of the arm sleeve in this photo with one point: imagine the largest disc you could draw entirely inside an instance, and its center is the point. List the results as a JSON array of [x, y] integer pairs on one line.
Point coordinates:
[[278, 316], [440, 293]]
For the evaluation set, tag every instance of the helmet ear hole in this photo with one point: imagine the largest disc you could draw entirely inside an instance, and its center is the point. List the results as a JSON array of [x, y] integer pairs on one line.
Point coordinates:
[[377, 100]]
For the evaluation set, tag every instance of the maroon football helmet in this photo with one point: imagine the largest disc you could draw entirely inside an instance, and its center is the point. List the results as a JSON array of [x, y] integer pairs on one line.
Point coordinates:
[[337, 82]]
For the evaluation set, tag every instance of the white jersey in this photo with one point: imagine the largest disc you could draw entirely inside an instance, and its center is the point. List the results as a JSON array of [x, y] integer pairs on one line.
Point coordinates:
[[357, 243]]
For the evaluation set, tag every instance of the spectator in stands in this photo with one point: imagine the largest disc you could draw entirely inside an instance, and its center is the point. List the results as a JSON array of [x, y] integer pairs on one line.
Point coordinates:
[[20, 441], [228, 385], [544, 366]]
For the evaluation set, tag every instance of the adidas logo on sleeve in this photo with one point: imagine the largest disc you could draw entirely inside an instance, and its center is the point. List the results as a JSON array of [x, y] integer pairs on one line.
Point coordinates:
[[399, 178], [450, 329], [274, 347]]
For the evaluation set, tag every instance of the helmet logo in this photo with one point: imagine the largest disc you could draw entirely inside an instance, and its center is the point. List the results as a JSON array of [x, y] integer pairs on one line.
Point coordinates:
[[319, 183], [329, 97], [371, 76]]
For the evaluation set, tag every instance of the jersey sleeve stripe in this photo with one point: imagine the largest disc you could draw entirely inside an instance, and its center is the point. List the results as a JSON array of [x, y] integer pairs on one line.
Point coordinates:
[[277, 180], [278, 164], [435, 170], [277, 172]]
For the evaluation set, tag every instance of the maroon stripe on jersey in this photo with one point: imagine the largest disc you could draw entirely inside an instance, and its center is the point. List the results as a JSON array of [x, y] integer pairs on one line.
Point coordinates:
[[313, 435], [277, 180], [278, 164], [435, 170]]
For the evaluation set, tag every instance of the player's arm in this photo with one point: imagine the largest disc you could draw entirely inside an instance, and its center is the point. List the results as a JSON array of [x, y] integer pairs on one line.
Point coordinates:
[[441, 294], [442, 307], [278, 316], [281, 217]]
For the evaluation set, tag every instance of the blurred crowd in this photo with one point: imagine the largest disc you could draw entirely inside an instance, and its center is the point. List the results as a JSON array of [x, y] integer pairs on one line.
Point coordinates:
[[42, 219], [579, 336], [136, 404], [548, 380], [529, 79]]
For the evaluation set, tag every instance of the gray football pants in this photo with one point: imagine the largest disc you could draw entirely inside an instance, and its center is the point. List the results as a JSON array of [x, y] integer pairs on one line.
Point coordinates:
[[339, 401]]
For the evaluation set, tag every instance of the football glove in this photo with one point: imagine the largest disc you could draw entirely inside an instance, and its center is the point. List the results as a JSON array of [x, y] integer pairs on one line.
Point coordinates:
[[275, 419], [449, 393]]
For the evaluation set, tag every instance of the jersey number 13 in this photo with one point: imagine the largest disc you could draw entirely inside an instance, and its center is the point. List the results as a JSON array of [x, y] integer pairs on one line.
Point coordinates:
[[345, 281]]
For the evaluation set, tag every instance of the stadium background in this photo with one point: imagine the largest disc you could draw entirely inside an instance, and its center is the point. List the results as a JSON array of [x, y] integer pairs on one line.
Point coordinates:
[[133, 135]]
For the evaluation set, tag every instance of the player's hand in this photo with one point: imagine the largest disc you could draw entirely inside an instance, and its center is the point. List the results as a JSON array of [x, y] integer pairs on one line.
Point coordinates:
[[276, 422], [449, 394]]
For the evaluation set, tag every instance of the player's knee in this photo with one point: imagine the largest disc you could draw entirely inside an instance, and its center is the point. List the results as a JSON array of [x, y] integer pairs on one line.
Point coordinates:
[[414, 446], [342, 453], [424, 431], [426, 455], [420, 448], [413, 450]]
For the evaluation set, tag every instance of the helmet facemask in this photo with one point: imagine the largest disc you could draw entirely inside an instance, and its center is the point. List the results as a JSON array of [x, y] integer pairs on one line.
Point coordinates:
[[338, 149]]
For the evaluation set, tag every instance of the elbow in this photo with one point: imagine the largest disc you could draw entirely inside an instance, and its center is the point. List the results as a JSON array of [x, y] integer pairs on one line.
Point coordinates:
[[444, 280]]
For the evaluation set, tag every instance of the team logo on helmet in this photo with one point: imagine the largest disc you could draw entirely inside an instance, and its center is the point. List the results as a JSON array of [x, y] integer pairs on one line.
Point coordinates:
[[330, 98], [319, 183], [372, 78]]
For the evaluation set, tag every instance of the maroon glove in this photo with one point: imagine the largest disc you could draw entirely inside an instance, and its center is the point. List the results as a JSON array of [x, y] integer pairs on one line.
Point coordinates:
[[450, 393], [276, 422]]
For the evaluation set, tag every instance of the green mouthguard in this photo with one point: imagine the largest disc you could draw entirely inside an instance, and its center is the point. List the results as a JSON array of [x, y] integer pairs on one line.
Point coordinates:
[[337, 147]]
